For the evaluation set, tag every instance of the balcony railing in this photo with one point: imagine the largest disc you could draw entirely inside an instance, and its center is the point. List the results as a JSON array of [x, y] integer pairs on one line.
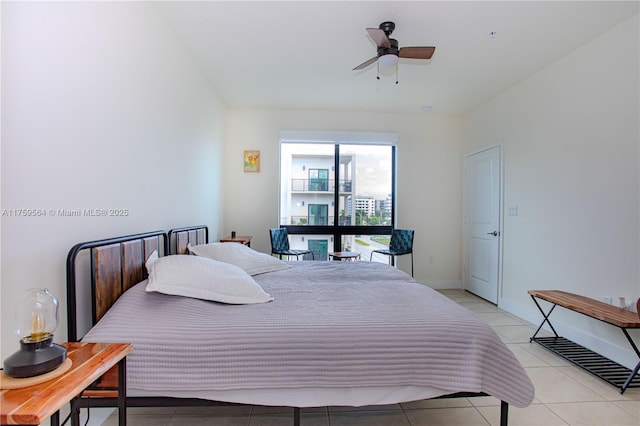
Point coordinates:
[[304, 221], [319, 185]]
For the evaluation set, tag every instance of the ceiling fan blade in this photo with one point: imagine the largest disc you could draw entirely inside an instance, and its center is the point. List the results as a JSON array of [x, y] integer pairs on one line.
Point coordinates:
[[379, 37], [422, 52], [366, 64]]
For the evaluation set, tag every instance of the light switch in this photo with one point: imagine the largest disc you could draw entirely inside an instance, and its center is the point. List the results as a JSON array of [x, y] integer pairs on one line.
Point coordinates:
[[513, 210]]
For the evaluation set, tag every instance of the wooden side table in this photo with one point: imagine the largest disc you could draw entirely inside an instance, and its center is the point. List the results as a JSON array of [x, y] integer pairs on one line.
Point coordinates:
[[33, 404], [246, 240], [348, 255]]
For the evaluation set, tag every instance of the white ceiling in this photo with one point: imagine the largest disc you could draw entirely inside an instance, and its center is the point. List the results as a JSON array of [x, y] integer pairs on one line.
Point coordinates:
[[294, 54]]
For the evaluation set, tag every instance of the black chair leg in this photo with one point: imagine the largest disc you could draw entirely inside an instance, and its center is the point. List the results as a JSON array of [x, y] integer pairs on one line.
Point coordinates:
[[412, 264]]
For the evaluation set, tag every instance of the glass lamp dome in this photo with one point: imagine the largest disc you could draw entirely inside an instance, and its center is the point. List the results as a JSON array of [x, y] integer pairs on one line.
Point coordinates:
[[36, 318], [388, 60]]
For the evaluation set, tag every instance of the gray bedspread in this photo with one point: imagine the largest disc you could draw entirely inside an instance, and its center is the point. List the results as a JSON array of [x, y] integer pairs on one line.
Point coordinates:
[[331, 324]]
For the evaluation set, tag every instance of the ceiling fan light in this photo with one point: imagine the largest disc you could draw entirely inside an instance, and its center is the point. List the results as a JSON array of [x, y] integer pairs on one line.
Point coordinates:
[[387, 61]]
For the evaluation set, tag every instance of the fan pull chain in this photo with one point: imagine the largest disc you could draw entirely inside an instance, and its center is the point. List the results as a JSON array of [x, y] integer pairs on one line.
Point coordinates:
[[396, 73]]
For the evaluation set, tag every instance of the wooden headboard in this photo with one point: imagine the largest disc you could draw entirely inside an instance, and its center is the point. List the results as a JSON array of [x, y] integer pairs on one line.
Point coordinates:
[[180, 237], [116, 265]]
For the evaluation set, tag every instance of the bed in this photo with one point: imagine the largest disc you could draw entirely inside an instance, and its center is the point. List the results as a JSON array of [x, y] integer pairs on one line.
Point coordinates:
[[332, 333]]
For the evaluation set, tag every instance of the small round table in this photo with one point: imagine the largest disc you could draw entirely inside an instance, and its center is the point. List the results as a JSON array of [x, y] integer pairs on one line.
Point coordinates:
[[348, 255]]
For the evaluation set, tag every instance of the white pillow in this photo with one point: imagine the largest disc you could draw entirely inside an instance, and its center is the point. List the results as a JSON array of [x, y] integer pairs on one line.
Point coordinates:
[[203, 278], [253, 262]]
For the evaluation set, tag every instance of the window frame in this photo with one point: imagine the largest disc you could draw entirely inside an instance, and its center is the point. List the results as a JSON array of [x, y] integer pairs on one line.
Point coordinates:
[[346, 138]]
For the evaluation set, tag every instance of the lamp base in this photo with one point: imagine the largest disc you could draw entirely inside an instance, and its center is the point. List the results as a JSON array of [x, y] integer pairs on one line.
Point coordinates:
[[35, 358]]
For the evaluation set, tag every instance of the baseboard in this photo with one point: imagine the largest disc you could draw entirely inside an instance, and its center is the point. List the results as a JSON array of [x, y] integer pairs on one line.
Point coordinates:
[[622, 355], [442, 284]]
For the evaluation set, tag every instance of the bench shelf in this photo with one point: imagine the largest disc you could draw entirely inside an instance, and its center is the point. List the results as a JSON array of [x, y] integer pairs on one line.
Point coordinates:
[[596, 364]]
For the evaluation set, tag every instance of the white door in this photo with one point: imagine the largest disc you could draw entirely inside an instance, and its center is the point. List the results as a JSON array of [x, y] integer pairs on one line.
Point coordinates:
[[482, 239]]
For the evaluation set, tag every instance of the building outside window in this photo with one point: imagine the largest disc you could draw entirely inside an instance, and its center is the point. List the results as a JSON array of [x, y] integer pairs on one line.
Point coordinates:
[[337, 191]]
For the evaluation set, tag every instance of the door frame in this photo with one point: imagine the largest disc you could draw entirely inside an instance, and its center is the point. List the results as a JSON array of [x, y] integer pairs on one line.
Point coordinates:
[[465, 228]]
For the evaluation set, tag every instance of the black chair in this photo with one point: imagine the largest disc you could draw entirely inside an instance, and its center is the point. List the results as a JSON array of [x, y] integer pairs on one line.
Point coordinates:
[[280, 244], [401, 243]]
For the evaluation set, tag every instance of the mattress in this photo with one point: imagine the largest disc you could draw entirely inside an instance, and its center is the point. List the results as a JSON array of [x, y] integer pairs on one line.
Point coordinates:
[[333, 328]]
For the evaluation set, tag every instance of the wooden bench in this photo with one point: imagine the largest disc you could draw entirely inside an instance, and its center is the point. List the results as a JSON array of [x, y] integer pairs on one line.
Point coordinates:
[[587, 359]]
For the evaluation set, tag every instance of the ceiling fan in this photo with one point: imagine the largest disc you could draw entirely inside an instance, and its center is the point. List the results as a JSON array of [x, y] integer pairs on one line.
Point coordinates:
[[388, 51]]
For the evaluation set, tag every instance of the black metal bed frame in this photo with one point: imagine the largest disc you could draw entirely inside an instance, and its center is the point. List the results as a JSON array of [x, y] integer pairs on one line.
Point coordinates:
[[131, 401], [144, 401], [172, 236], [72, 319]]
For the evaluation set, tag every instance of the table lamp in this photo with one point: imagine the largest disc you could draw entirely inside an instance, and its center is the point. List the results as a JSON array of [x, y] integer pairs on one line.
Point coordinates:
[[36, 318]]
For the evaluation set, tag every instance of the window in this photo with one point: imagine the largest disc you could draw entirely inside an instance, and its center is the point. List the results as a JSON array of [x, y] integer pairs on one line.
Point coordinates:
[[319, 249], [337, 189], [318, 214], [318, 180]]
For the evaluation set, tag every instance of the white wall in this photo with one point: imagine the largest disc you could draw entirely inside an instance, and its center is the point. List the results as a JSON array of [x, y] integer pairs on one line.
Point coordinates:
[[101, 108], [429, 179], [571, 145]]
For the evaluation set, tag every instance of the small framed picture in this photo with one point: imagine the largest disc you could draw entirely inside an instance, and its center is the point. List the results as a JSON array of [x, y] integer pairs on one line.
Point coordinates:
[[252, 161]]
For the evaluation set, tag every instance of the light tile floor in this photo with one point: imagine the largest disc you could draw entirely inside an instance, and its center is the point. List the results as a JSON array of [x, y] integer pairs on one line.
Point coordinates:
[[565, 395]]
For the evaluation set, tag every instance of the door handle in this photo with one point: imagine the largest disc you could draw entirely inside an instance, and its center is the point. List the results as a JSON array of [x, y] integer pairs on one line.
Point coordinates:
[[494, 233]]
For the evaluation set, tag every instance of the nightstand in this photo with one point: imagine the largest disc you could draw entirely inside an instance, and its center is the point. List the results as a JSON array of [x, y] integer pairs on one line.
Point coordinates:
[[246, 240], [89, 361]]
